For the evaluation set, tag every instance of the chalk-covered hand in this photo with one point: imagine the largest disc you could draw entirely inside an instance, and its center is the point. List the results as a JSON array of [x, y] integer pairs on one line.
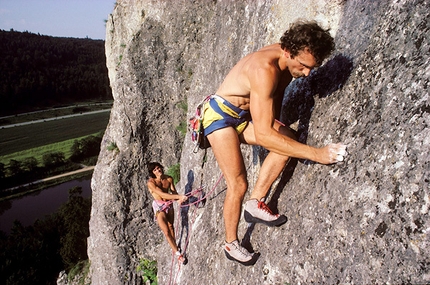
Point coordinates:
[[332, 153]]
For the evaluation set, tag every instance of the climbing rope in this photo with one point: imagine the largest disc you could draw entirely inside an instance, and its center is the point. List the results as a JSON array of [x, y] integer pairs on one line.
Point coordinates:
[[192, 193]]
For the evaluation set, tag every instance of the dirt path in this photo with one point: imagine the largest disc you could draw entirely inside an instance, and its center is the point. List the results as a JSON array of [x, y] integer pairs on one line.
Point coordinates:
[[87, 168]]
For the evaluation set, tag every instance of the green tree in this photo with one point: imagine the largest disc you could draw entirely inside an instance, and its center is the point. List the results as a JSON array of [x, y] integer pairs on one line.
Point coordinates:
[[175, 172], [15, 167], [34, 254], [29, 164], [76, 216], [29, 255], [91, 146], [85, 148], [42, 71], [148, 269], [76, 151], [53, 159]]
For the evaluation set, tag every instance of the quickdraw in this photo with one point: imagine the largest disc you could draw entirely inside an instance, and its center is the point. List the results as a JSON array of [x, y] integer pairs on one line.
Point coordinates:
[[196, 127]]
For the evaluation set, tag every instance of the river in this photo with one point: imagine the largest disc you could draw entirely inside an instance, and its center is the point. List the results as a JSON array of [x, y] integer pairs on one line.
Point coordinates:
[[29, 208]]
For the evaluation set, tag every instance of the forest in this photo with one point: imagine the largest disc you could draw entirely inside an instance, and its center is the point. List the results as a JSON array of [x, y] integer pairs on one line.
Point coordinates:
[[39, 72], [36, 254]]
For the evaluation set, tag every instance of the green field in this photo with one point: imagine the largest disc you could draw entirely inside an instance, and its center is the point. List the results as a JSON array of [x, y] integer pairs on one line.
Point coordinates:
[[38, 152], [57, 135]]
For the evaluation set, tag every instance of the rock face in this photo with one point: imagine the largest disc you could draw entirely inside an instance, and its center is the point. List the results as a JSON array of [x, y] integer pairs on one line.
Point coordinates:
[[362, 221]]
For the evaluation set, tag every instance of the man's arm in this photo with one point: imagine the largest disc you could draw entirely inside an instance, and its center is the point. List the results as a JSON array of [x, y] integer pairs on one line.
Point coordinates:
[[263, 82]]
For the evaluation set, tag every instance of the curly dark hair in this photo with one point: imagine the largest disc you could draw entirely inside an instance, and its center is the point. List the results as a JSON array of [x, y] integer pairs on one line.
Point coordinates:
[[152, 166], [308, 34]]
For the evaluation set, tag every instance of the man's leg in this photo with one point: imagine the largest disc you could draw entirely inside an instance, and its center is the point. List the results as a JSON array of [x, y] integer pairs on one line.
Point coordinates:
[[272, 166], [270, 170], [226, 148]]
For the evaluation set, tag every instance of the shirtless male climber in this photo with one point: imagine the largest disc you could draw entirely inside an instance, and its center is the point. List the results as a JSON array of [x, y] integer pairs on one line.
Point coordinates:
[[251, 88], [159, 185]]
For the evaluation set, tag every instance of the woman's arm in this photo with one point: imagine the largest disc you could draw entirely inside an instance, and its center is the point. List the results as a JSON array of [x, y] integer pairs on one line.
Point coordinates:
[[158, 193]]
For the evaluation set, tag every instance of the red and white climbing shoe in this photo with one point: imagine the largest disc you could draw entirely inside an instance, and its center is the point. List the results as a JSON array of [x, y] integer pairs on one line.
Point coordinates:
[[234, 251], [180, 257], [258, 212]]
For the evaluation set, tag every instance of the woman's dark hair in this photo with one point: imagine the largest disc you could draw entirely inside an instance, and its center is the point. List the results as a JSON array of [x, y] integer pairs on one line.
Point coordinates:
[[308, 34], [152, 166]]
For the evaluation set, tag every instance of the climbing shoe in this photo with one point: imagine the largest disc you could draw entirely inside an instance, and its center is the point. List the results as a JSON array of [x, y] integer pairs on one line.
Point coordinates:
[[181, 258], [234, 251], [258, 212]]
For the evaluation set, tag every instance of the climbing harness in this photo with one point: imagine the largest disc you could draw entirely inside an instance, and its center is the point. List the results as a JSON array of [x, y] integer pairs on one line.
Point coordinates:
[[163, 206]]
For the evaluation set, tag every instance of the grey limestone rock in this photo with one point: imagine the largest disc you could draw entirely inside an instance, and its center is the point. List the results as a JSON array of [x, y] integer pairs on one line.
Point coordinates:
[[361, 221]]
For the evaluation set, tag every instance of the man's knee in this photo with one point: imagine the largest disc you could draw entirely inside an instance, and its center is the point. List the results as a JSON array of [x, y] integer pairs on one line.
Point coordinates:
[[277, 159], [284, 159], [239, 187]]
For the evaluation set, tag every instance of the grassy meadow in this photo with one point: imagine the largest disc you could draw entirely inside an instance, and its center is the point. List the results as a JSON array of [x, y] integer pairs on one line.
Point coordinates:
[[38, 152]]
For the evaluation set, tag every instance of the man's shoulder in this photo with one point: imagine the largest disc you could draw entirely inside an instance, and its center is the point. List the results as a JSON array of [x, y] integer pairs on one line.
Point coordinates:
[[276, 46], [266, 58]]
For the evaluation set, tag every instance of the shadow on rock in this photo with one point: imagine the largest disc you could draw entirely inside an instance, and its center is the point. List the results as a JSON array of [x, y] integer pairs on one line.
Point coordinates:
[[197, 198], [185, 209], [298, 102], [246, 241]]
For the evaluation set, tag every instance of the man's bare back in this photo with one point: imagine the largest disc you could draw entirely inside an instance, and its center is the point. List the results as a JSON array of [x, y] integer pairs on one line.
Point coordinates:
[[236, 87]]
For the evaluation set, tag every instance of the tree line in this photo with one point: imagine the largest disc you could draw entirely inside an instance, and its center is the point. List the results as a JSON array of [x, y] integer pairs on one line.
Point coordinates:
[[19, 172], [40, 71]]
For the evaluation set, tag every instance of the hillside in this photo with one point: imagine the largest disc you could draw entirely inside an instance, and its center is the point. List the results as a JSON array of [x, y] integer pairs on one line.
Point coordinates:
[[362, 221], [39, 72]]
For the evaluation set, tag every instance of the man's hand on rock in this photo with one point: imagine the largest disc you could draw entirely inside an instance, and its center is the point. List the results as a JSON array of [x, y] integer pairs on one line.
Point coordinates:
[[332, 153]]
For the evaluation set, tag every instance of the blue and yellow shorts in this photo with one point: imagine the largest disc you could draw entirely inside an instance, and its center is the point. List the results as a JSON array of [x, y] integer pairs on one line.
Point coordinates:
[[219, 114]]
